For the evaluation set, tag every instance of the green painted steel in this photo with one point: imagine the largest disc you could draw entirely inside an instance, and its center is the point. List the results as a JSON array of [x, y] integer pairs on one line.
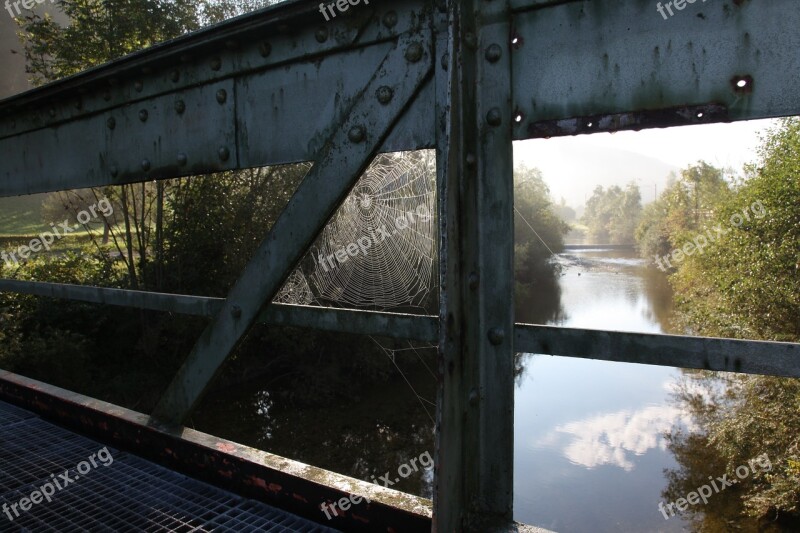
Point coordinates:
[[607, 65], [250, 92], [475, 415], [392, 325]]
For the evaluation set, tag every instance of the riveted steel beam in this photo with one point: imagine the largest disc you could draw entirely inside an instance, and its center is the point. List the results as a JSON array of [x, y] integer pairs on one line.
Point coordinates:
[[727, 355], [704, 353], [342, 159], [258, 90], [475, 415], [590, 65]]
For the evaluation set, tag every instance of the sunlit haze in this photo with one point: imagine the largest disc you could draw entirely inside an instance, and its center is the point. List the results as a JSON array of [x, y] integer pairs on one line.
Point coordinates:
[[574, 166]]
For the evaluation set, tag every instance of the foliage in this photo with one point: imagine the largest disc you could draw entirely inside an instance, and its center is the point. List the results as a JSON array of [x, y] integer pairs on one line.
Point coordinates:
[[682, 210], [612, 214], [99, 31], [746, 285], [538, 235]]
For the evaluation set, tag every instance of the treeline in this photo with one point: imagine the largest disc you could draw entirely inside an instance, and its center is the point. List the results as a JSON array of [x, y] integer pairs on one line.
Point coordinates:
[[734, 261]]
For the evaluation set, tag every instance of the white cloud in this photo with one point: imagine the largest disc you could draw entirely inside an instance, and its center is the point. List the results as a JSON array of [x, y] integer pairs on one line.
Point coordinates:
[[615, 438]]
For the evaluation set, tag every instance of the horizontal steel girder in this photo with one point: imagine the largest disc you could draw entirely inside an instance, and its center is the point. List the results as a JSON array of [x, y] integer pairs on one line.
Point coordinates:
[[606, 65], [264, 89], [729, 355], [577, 67]]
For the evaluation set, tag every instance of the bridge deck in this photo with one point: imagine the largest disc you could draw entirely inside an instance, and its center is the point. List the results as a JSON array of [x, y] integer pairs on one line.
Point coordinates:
[[129, 494]]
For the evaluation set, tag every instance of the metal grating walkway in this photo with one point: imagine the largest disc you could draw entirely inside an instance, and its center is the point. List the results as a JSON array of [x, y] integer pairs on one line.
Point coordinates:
[[129, 494]]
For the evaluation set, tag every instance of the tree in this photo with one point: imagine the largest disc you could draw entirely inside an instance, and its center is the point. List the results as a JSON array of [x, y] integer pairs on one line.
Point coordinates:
[[613, 214], [538, 235], [745, 284], [682, 210]]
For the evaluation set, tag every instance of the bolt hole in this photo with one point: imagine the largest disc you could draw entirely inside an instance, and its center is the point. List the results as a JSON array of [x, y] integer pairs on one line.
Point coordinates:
[[742, 84], [518, 118], [590, 124], [700, 114]]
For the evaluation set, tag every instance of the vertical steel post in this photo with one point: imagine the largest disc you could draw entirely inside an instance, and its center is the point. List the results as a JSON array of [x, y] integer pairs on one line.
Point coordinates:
[[475, 417]]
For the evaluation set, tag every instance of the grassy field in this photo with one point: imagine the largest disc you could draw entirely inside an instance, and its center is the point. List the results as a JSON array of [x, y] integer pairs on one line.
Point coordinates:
[[21, 216]]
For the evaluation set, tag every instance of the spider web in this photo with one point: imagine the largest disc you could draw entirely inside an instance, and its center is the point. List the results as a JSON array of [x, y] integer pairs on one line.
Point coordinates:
[[378, 249]]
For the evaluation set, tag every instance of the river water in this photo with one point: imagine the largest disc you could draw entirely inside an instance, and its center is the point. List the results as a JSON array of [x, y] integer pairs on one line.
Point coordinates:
[[590, 450], [589, 445]]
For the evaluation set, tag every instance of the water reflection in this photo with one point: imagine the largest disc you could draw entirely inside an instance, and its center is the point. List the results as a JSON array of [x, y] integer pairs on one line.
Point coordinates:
[[590, 445], [614, 438]]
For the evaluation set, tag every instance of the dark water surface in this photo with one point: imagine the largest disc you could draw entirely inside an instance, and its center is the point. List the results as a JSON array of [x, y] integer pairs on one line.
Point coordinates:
[[590, 451]]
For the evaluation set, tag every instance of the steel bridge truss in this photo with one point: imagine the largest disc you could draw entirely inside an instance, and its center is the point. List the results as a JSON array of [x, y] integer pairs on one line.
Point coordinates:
[[464, 77]]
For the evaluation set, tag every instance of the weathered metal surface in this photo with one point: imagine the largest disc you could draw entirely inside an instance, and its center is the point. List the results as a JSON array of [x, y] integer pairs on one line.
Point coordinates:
[[620, 65], [169, 303], [287, 76], [343, 158], [475, 415], [391, 325], [289, 485], [729, 355]]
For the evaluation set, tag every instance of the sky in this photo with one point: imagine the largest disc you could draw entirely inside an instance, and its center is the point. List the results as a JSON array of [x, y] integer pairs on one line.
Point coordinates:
[[573, 166]]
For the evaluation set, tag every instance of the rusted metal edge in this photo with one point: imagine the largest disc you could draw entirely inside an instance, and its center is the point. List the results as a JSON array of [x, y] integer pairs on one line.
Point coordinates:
[[705, 353], [639, 120], [283, 483]]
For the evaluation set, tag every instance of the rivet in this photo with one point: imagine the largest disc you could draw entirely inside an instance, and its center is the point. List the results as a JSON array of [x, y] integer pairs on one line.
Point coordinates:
[[231, 44], [473, 396], [496, 336], [111, 123], [106, 95], [470, 39], [494, 53], [265, 49], [390, 19], [474, 281], [143, 115], [471, 160], [414, 52], [356, 134], [145, 164], [138, 86], [146, 70], [224, 153], [494, 117], [222, 95], [321, 34], [185, 58], [385, 94], [216, 63], [113, 170], [180, 107], [52, 112], [445, 62], [182, 159], [175, 75], [236, 311]]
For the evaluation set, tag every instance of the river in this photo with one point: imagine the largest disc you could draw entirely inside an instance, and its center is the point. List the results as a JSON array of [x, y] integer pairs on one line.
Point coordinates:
[[590, 450]]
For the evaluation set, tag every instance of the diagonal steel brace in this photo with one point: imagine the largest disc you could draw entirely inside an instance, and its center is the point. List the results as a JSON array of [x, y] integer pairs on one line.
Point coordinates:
[[350, 148]]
